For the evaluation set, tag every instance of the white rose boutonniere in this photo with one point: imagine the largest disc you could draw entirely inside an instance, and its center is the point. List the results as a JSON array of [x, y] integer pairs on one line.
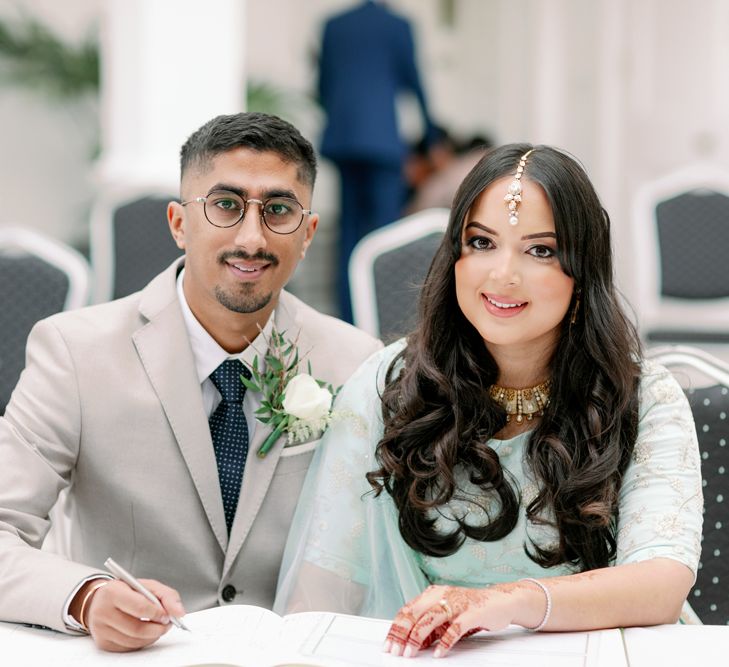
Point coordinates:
[[292, 403], [305, 399]]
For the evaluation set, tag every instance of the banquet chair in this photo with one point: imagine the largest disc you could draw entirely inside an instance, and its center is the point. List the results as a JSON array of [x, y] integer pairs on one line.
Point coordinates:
[[387, 268], [130, 241], [680, 236], [705, 380], [39, 276]]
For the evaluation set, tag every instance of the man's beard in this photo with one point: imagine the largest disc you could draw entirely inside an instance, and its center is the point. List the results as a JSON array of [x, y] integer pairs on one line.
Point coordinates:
[[246, 301], [243, 302]]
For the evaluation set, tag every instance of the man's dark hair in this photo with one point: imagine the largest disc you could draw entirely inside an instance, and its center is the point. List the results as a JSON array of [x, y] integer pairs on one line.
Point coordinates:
[[257, 131]]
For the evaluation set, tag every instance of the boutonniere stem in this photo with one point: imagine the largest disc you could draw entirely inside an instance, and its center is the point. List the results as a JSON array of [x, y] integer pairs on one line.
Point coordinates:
[[271, 439]]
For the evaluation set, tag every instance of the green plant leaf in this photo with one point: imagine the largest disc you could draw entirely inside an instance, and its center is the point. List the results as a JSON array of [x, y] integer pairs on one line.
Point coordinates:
[[274, 364], [249, 384], [33, 56]]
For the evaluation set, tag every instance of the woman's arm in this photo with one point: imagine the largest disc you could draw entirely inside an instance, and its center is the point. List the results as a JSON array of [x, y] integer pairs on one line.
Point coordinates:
[[658, 545], [646, 593]]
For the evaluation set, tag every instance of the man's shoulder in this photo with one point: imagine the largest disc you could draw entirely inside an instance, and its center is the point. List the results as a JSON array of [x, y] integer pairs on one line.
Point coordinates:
[[333, 344], [95, 321], [326, 328], [125, 313]]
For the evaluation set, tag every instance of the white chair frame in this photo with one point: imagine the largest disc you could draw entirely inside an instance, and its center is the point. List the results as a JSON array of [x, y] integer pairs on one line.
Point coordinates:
[[74, 265], [55, 253], [656, 311], [692, 357], [376, 243]]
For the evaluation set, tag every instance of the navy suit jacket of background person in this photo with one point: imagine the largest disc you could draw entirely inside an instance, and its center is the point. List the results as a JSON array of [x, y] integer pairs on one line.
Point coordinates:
[[367, 58]]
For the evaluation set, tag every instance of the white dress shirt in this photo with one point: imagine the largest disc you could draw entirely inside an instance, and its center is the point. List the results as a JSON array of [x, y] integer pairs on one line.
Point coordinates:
[[208, 355]]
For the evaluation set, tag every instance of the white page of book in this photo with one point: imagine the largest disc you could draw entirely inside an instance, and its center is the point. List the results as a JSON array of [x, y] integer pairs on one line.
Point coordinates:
[[348, 640], [251, 636], [703, 645], [236, 635]]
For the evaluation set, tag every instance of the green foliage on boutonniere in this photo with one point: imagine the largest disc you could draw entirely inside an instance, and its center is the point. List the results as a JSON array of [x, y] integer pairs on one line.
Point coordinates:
[[293, 403]]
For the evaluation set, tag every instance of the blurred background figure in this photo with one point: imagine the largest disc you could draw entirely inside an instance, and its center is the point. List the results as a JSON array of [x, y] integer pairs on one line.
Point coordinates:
[[434, 169], [367, 59]]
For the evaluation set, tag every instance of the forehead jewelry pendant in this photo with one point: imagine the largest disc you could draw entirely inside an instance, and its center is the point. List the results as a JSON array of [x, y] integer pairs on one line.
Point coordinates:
[[513, 192]]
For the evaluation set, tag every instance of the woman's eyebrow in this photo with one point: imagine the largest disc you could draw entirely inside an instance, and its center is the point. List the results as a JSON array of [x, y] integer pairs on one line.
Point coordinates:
[[539, 235], [488, 230], [527, 237]]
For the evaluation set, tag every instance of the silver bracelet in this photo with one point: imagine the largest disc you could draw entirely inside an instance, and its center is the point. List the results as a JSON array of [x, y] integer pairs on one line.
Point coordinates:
[[548, 610]]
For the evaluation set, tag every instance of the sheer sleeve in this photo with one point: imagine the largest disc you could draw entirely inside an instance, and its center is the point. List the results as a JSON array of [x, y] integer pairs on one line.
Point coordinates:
[[344, 551], [661, 502]]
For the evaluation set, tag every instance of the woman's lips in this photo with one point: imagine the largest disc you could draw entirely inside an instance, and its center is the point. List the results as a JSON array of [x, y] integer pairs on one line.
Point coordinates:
[[502, 307]]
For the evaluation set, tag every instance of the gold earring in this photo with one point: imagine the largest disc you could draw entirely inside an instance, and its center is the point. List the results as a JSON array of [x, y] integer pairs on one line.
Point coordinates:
[[575, 309]]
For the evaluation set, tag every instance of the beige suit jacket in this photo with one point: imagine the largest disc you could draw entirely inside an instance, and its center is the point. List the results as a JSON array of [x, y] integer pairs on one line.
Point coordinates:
[[109, 405]]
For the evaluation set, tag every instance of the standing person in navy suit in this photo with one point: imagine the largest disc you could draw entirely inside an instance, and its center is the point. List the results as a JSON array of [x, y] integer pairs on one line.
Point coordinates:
[[367, 58]]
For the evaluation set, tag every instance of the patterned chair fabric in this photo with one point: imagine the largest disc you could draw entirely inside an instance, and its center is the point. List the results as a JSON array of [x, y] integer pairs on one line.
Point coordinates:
[[694, 265], [143, 245], [387, 270], [680, 232], [710, 595], [399, 275], [30, 289], [709, 401], [39, 276]]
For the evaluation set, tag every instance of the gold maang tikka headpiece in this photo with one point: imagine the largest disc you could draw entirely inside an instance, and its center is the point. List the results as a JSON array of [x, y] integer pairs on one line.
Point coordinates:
[[513, 193]]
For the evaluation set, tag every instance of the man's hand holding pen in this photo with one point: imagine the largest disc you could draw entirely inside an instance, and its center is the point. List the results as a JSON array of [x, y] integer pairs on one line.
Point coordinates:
[[121, 619]]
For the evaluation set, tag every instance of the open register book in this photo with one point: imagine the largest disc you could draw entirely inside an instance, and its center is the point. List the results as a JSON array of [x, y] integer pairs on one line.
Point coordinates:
[[253, 637]]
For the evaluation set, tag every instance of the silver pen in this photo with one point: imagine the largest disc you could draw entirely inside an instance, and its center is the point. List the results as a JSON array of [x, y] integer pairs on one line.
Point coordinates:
[[120, 573]]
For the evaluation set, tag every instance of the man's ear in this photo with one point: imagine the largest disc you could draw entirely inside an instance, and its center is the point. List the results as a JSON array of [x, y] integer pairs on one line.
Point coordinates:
[[310, 231], [176, 221]]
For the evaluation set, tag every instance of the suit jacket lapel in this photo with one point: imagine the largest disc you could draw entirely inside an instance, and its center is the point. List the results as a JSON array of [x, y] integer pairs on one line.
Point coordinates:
[[163, 348], [259, 472]]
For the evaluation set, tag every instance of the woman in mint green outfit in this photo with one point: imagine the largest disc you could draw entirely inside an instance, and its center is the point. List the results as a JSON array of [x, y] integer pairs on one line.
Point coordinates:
[[514, 460]]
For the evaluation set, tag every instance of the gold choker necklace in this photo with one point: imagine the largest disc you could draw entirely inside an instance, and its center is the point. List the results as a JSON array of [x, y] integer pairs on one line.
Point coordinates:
[[522, 402]]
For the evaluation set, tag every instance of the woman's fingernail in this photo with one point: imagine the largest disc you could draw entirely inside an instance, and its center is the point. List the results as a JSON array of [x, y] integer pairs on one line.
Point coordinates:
[[164, 620], [386, 647], [408, 652], [438, 653], [396, 650]]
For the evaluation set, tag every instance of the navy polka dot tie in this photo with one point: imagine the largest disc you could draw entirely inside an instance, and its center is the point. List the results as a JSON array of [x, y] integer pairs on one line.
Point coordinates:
[[229, 432]]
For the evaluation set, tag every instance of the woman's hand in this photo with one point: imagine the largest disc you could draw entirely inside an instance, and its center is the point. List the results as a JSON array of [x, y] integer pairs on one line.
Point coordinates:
[[447, 613]]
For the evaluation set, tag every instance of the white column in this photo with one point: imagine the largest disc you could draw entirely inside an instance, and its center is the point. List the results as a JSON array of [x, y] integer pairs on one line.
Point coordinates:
[[717, 85], [167, 67], [610, 108], [550, 118]]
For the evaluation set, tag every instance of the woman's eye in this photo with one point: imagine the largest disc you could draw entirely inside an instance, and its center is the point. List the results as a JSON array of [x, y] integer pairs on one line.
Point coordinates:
[[479, 243], [542, 251]]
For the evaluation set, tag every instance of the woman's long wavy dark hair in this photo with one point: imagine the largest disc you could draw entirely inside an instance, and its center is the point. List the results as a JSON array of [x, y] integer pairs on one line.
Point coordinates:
[[439, 417]]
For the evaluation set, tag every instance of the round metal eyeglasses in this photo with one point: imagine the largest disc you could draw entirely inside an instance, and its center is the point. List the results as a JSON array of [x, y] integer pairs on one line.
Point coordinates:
[[282, 215]]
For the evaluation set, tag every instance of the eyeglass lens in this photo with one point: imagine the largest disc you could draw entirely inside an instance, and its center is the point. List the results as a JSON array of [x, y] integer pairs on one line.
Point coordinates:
[[280, 214]]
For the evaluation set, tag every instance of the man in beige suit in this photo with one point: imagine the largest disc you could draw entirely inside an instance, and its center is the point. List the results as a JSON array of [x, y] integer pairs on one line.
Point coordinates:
[[115, 399]]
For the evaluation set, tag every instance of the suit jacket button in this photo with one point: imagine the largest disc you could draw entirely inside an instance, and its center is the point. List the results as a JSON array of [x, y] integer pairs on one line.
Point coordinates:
[[229, 593]]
